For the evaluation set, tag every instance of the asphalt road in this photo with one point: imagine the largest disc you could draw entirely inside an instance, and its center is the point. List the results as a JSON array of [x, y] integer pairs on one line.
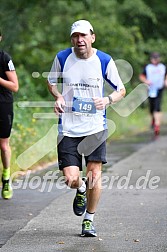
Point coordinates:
[[131, 216]]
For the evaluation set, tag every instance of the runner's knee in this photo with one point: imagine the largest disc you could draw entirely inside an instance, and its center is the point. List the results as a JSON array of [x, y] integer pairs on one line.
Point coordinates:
[[4, 145]]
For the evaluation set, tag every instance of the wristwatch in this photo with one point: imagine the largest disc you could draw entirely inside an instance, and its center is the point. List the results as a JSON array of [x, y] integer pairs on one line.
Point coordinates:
[[110, 99]]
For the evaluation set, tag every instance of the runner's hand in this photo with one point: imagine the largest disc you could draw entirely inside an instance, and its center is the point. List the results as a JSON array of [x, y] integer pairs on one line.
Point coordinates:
[[100, 103], [59, 105]]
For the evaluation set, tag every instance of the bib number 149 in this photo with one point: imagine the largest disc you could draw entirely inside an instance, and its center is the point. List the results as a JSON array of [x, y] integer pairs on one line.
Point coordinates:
[[83, 105], [86, 107]]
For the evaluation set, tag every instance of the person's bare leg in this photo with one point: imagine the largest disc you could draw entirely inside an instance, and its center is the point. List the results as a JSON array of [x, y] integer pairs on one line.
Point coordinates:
[[158, 118], [93, 196], [157, 124], [72, 176], [94, 185], [5, 152], [7, 191], [73, 180]]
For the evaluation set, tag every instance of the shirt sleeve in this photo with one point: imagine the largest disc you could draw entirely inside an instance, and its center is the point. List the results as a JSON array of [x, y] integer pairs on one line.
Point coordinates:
[[112, 76], [144, 72], [55, 72], [8, 63]]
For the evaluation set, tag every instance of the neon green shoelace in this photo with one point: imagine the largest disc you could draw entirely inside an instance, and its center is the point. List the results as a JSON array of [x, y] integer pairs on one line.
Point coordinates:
[[80, 199], [6, 187], [87, 225]]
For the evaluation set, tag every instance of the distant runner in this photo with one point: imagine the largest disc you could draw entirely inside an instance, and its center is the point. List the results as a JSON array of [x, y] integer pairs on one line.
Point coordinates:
[[8, 84], [155, 76]]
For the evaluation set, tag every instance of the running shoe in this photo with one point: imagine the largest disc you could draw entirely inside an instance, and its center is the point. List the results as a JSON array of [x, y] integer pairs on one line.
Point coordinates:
[[79, 204], [7, 191], [88, 229]]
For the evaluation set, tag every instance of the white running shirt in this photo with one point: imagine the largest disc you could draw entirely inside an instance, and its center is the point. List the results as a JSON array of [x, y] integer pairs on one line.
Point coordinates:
[[83, 79], [156, 75]]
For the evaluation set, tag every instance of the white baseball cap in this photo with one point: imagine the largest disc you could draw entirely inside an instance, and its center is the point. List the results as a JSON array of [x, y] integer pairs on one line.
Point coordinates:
[[81, 26]]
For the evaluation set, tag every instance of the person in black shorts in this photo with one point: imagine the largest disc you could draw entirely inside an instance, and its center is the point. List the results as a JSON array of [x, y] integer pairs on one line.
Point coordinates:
[[81, 108], [155, 76], [8, 85]]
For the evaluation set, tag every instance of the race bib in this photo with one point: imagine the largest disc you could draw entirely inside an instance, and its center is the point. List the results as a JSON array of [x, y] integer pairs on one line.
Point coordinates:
[[153, 93], [83, 106]]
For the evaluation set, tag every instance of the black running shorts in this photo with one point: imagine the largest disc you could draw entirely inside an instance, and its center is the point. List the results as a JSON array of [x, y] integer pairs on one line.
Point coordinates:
[[155, 103], [6, 119], [71, 149]]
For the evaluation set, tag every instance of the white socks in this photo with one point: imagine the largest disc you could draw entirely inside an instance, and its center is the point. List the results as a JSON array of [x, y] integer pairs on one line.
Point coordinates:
[[82, 188], [89, 216]]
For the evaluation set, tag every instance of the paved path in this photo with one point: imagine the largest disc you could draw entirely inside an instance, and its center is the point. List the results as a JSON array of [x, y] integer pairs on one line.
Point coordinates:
[[131, 216]]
